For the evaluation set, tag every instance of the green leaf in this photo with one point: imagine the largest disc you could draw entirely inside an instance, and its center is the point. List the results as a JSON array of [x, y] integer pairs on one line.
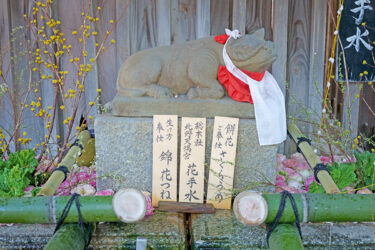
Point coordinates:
[[17, 173], [343, 175], [316, 188]]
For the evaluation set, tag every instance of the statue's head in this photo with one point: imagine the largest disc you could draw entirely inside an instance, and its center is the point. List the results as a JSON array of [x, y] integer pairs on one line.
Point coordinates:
[[252, 52]]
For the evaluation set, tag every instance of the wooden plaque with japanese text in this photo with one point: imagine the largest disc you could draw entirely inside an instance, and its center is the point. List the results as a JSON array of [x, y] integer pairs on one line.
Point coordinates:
[[164, 163], [193, 143], [222, 163]]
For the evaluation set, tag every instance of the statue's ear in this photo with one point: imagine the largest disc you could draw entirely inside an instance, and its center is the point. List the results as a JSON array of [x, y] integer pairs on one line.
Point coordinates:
[[259, 33]]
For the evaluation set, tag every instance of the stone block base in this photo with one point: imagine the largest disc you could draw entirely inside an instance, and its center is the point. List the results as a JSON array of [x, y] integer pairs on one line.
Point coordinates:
[[124, 154], [223, 231]]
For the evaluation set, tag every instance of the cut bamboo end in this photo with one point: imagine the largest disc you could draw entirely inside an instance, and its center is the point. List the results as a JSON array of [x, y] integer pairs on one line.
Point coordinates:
[[250, 208], [129, 205]]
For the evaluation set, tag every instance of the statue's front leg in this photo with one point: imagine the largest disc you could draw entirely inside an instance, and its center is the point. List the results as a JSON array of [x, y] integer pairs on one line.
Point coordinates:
[[203, 72]]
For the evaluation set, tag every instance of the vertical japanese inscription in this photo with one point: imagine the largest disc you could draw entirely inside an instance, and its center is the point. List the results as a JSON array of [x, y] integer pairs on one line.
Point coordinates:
[[164, 163], [223, 156], [193, 134]]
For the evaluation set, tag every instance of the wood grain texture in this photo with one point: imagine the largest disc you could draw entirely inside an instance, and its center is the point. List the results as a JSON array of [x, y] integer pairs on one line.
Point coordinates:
[[163, 22], [259, 15], [220, 16], [239, 16], [298, 61], [6, 120], [70, 15], [203, 21], [183, 21], [21, 70], [317, 52], [107, 63]]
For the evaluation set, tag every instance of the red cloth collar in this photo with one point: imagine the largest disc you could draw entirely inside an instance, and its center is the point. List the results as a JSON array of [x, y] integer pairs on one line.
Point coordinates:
[[237, 89]]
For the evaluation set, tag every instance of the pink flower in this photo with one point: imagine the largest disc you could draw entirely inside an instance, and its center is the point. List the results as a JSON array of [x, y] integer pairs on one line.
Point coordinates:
[[364, 191], [84, 190], [348, 190], [150, 208], [105, 192], [28, 189], [280, 158], [291, 163], [280, 180], [325, 160], [308, 182]]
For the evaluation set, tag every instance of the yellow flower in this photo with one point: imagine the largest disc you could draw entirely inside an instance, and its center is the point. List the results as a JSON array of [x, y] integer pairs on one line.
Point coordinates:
[[111, 21], [36, 90], [91, 103], [62, 107], [363, 24], [83, 13], [24, 133], [90, 117], [78, 128], [99, 8], [92, 60], [49, 107], [57, 137], [65, 122], [369, 83], [98, 90], [365, 72], [113, 41], [364, 62]]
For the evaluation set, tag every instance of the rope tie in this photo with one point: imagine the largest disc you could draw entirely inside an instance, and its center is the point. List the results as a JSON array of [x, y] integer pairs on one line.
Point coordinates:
[[81, 224], [63, 169], [300, 140], [284, 195], [319, 167]]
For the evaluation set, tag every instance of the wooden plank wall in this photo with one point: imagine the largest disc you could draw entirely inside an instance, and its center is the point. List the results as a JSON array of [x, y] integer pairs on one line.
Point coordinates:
[[297, 28]]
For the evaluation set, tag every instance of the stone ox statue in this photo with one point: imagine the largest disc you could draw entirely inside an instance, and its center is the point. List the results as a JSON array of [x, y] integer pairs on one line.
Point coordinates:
[[191, 68]]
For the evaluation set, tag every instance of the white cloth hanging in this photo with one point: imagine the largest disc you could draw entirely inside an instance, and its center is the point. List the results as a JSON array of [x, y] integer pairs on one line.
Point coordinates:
[[269, 103]]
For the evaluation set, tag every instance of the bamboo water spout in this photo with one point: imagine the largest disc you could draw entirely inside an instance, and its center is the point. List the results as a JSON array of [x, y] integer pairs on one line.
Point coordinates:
[[69, 159], [128, 205], [307, 151], [311, 208]]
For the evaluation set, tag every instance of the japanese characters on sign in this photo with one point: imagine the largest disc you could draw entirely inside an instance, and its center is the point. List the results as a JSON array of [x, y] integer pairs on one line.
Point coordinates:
[[223, 154], [164, 169], [193, 134], [357, 35]]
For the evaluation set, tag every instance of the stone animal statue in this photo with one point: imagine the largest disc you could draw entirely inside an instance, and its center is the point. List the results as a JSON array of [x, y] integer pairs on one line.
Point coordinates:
[[191, 68]]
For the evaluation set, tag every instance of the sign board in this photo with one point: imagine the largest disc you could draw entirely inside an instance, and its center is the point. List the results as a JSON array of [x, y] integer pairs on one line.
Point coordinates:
[[357, 34], [164, 163], [222, 163], [192, 153]]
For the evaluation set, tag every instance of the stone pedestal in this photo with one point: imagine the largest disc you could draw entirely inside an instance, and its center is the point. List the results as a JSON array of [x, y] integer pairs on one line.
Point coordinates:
[[223, 231], [124, 144]]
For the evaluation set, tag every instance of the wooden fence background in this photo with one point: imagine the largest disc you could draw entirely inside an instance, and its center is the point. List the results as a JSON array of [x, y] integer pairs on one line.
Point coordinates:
[[298, 29]]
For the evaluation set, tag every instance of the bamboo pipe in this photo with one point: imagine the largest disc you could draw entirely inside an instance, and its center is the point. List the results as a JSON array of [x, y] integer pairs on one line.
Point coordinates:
[[285, 237], [57, 177], [311, 208], [307, 151], [69, 236], [127, 205]]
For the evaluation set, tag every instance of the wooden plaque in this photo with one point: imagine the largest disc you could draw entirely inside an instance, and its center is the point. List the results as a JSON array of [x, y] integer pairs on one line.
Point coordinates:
[[164, 163], [223, 156], [192, 152]]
